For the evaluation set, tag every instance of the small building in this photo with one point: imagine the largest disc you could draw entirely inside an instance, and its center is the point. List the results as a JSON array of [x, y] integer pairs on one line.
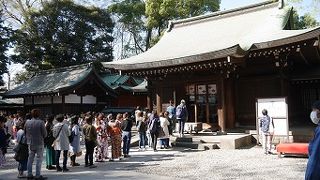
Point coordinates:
[[220, 63], [10, 106], [132, 90], [77, 89]]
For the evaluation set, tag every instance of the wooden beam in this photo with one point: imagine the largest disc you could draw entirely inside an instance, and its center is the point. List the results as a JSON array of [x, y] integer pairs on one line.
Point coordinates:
[[316, 45], [298, 50]]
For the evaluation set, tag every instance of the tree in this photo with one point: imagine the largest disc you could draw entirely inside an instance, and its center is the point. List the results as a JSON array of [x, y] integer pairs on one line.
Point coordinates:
[[150, 19], [130, 15], [303, 22], [63, 33], [159, 12], [5, 39], [16, 11]]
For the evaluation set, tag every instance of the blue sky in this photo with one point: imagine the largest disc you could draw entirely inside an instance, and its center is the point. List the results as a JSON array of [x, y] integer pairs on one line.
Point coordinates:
[[302, 7], [229, 4]]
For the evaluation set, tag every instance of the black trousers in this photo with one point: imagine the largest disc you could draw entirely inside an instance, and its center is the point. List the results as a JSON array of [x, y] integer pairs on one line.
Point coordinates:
[[65, 158], [89, 152], [154, 137]]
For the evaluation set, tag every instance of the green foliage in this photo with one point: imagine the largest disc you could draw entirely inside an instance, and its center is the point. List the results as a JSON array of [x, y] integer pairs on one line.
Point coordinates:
[[303, 22], [130, 15], [5, 38], [160, 11], [23, 76], [144, 21], [63, 33]]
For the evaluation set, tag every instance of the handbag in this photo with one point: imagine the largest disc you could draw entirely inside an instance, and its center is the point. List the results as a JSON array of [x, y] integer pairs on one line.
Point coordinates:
[[21, 151], [49, 140]]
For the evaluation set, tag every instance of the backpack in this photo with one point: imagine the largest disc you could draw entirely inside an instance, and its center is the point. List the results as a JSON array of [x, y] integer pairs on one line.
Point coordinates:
[[180, 112], [141, 126], [265, 124], [153, 125]]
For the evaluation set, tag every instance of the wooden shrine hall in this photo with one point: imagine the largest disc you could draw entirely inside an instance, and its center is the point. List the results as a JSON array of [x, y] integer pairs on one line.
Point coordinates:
[[221, 62], [77, 89]]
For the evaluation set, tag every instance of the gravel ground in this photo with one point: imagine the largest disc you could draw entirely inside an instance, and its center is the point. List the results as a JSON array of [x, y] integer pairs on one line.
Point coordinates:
[[229, 164], [177, 163]]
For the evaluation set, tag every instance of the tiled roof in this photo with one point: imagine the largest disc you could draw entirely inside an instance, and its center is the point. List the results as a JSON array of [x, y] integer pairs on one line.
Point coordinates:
[[54, 81], [216, 35], [116, 81]]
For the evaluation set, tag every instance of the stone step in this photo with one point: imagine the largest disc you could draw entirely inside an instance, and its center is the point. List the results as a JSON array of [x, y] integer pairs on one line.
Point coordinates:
[[192, 145], [196, 145], [183, 139]]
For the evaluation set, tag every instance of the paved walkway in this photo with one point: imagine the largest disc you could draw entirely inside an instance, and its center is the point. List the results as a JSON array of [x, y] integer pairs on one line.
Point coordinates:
[[179, 163], [123, 169]]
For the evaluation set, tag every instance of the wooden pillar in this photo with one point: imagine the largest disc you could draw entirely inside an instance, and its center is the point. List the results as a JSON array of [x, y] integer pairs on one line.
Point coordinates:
[[52, 107], [159, 101], [221, 107], [195, 113], [81, 103], [207, 113], [63, 104], [174, 97], [284, 86], [149, 101], [149, 95], [230, 104]]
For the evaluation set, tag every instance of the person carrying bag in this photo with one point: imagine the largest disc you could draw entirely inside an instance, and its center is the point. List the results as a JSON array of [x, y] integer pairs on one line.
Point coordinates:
[[55, 138], [21, 150]]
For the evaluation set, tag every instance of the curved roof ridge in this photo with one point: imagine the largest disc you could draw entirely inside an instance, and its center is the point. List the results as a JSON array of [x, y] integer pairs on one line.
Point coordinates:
[[225, 13]]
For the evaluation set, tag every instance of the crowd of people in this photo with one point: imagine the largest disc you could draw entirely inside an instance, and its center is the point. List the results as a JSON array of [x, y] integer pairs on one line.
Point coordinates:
[[64, 133]]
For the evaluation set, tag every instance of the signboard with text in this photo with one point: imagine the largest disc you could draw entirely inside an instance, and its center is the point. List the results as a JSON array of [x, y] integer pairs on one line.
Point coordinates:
[[278, 110]]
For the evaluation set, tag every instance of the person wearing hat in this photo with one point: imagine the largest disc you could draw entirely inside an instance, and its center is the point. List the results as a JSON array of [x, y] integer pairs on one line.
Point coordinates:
[[313, 166], [181, 116]]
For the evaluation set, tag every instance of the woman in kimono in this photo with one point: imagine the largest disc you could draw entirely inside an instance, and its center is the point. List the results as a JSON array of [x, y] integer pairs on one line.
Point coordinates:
[[114, 132], [102, 145]]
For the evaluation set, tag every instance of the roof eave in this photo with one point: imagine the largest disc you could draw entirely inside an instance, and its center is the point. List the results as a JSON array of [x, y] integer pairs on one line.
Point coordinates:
[[234, 51], [280, 42]]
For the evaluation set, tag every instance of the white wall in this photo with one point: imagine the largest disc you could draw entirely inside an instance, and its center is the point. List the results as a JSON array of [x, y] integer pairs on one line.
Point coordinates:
[[42, 100], [57, 99], [72, 99], [89, 99]]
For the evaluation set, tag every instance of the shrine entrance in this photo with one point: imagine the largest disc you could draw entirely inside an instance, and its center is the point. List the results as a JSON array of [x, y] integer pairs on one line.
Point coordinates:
[[203, 102]]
